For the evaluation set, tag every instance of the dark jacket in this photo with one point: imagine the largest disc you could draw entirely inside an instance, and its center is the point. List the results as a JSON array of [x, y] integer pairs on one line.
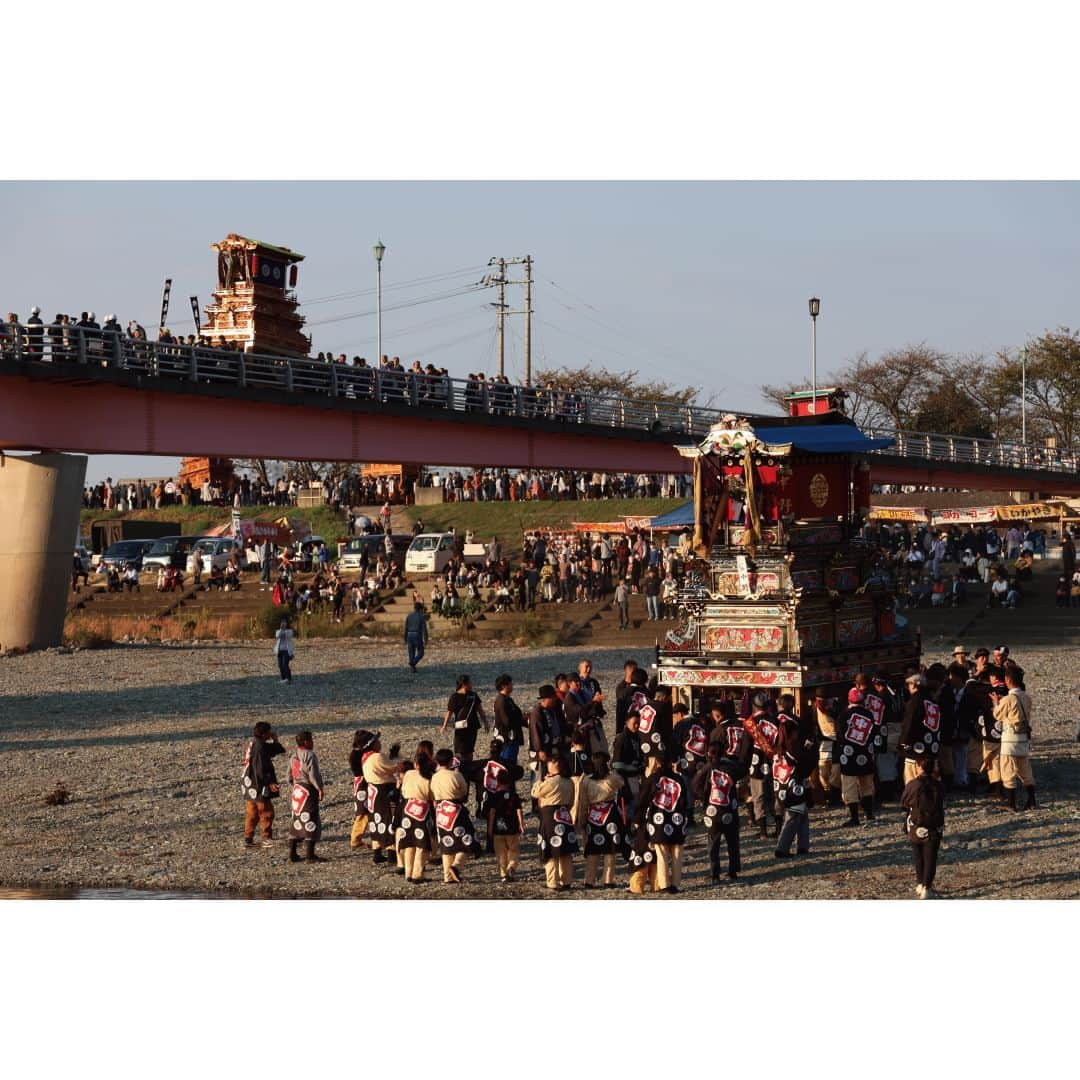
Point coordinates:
[[626, 756], [545, 730], [509, 721], [262, 766], [924, 800]]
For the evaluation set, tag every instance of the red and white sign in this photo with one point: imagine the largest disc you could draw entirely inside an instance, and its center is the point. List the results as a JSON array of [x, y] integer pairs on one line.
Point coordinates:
[[446, 813], [931, 716], [492, 771], [782, 770], [371, 795], [734, 741], [356, 782], [721, 788], [696, 741], [666, 795], [300, 796], [876, 707], [599, 813], [416, 809], [859, 728], [562, 816]]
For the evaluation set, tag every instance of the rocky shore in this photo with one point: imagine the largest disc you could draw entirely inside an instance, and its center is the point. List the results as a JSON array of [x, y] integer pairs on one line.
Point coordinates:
[[148, 741]]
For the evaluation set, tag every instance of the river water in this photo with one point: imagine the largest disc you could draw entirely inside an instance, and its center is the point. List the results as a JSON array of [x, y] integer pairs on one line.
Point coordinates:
[[117, 894]]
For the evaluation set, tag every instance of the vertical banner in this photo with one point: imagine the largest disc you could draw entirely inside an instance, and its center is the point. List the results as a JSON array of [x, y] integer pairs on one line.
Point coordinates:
[[195, 315], [236, 524], [165, 303]]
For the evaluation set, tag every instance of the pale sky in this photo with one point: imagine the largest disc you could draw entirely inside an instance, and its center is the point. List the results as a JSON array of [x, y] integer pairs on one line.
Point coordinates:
[[702, 283]]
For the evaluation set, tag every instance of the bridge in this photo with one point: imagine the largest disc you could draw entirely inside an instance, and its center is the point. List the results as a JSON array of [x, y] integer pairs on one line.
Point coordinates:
[[71, 390], [104, 393]]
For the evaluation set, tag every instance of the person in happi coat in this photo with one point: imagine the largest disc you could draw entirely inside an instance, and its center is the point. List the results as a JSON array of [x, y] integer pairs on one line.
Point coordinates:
[[764, 734], [923, 802], [1014, 711], [791, 771], [362, 741], [307, 793], [629, 762], [920, 729], [416, 825], [380, 775], [884, 704], [716, 788], [260, 784], [825, 714], [689, 743], [558, 841], [453, 826], [661, 832], [858, 738], [505, 818], [598, 818]]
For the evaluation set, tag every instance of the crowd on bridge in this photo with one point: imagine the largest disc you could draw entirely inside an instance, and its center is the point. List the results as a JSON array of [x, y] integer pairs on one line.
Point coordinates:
[[636, 796], [108, 344]]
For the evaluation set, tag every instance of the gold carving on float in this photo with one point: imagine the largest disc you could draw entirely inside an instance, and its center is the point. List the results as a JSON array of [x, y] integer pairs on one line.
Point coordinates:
[[819, 490]]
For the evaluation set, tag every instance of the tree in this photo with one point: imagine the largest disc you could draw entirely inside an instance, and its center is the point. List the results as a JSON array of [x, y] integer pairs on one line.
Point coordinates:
[[1053, 384], [628, 384]]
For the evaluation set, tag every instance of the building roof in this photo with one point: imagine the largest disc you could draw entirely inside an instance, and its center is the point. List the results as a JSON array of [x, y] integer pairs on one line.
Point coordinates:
[[678, 518]]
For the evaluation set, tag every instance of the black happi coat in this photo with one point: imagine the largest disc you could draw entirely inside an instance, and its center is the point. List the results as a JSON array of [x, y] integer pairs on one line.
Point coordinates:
[[258, 772], [557, 833], [858, 739], [715, 786], [662, 809], [920, 733], [359, 784], [605, 831], [506, 805], [416, 824], [454, 828], [764, 733], [789, 782]]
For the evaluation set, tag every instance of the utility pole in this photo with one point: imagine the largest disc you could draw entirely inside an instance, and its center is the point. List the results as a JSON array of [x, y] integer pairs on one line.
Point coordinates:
[[501, 309], [528, 320], [502, 316]]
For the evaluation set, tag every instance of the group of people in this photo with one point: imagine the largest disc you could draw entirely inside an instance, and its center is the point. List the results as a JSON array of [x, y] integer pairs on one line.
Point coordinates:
[[940, 568], [636, 797], [527, 485]]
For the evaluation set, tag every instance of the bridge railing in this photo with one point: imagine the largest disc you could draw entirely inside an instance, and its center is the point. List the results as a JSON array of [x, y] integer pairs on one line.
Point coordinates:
[[961, 449], [95, 347]]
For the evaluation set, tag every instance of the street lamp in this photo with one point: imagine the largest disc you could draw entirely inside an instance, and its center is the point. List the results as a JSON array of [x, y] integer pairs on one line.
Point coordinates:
[[815, 311], [1023, 395], [379, 250]]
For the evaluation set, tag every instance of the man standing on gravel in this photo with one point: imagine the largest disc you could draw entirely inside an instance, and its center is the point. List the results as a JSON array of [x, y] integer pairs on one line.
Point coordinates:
[[1013, 712], [416, 635], [260, 783]]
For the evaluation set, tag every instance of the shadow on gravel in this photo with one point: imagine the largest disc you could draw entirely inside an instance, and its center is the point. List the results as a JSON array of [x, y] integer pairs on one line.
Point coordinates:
[[104, 706]]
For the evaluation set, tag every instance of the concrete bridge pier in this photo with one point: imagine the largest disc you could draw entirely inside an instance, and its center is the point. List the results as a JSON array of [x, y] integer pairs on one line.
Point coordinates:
[[40, 499]]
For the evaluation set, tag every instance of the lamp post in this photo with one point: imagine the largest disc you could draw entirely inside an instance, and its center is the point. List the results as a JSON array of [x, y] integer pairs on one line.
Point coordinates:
[[815, 311], [379, 250], [1023, 395]]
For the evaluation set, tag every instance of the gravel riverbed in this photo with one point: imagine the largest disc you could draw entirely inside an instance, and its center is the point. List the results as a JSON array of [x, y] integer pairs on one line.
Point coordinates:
[[149, 741]]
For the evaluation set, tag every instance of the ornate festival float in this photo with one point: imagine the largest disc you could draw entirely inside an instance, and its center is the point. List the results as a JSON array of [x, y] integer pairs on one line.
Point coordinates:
[[784, 594]]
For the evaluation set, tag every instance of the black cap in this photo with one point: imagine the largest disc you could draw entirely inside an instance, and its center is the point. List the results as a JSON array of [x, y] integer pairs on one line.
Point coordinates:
[[547, 690], [983, 651]]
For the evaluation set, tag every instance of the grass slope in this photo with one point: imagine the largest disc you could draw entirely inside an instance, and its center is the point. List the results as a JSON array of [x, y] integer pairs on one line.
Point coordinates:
[[508, 519]]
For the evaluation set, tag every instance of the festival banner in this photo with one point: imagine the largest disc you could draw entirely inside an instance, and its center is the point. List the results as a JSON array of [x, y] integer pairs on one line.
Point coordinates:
[[898, 513]]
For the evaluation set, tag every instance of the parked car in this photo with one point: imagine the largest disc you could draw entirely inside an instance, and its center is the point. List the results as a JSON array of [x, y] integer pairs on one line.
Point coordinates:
[[429, 553], [375, 545], [216, 551], [169, 551], [124, 553]]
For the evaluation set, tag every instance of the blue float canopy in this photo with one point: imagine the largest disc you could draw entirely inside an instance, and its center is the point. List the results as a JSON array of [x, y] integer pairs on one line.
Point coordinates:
[[678, 518], [822, 438]]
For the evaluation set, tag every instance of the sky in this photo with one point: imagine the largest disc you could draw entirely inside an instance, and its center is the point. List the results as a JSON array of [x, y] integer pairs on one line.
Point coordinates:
[[699, 283]]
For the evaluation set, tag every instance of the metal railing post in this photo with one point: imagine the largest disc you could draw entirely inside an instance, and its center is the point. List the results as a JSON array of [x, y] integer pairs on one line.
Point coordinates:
[[333, 379], [81, 334], [378, 384], [241, 371], [193, 364]]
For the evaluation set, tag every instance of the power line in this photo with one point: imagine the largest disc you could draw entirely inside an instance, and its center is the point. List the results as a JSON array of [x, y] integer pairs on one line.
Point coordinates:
[[429, 279], [398, 307]]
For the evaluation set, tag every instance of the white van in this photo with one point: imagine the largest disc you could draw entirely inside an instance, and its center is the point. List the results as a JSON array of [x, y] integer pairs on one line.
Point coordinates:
[[215, 552], [429, 553]]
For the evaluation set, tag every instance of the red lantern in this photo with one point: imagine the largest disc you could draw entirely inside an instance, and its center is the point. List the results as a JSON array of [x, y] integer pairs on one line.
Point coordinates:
[[254, 267]]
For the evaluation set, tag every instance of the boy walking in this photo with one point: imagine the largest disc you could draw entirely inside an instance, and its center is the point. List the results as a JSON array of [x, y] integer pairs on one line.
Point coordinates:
[[924, 801], [260, 784]]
